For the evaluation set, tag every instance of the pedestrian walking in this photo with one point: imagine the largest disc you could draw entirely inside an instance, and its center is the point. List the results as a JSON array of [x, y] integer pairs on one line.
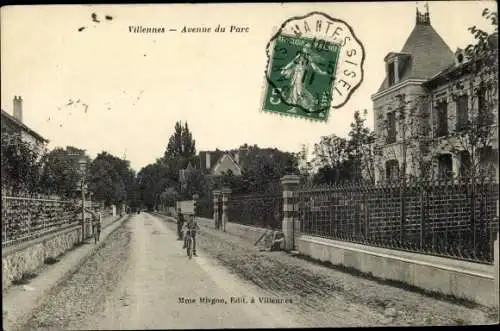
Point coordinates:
[[96, 222], [192, 228], [180, 223]]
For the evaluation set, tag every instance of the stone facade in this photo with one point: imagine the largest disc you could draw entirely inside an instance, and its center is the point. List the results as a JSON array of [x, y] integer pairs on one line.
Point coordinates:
[[425, 72]]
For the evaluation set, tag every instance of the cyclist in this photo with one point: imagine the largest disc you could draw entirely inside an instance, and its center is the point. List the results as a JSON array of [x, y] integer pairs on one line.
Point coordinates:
[[191, 229]]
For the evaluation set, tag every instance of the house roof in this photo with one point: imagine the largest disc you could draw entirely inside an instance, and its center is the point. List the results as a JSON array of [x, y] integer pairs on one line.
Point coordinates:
[[228, 156], [429, 54], [215, 157], [454, 71], [22, 126]]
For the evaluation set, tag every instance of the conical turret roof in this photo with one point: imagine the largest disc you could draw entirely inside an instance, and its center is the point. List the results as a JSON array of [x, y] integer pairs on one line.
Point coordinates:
[[429, 53]]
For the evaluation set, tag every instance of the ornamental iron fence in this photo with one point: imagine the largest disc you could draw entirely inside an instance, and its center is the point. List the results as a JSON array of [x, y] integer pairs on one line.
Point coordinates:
[[205, 206], [260, 210], [454, 219]]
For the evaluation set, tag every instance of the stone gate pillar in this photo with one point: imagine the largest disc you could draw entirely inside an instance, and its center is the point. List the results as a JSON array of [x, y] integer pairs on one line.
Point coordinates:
[[291, 223], [195, 203], [216, 194], [496, 254], [225, 197]]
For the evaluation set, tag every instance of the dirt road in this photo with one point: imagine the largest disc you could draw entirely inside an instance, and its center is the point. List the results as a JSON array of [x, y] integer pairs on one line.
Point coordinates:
[[162, 288], [142, 279]]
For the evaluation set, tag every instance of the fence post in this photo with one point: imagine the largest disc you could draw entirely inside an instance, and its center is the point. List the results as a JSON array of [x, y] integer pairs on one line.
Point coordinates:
[[422, 216], [225, 197], [402, 199], [496, 256], [216, 194], [291, 223]]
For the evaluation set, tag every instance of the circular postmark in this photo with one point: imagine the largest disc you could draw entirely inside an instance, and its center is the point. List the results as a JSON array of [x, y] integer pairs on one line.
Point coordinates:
[[315, 63]]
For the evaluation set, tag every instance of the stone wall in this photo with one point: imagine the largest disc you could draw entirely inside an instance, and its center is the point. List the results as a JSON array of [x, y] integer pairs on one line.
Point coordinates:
[[472, 281], [29, 256], [248, 233]]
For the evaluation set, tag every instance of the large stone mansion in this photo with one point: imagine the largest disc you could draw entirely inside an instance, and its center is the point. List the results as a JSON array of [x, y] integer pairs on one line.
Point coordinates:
[[425, 138]]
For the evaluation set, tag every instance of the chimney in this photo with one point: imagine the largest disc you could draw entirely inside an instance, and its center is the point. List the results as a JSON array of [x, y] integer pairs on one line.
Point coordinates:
[[237, 158], [423, 18], [18, 108], [207, 160], [460, 57]]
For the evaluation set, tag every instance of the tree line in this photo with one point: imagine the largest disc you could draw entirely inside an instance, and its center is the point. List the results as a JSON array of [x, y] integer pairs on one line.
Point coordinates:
[[27, 170]]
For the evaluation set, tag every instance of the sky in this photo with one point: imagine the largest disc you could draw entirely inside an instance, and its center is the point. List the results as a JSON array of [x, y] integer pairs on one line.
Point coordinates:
[[136, 86]]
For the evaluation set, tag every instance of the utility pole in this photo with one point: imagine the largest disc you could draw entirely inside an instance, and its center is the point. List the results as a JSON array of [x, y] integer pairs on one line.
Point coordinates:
[[82, 163], [83, 209]]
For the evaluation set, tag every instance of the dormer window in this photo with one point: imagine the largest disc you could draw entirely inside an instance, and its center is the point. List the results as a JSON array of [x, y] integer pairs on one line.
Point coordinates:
[[395, 65], [391, 73]]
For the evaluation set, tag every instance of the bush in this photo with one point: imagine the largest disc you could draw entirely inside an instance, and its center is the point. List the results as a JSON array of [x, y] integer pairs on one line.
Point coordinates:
[[51, 260], [25, 278]]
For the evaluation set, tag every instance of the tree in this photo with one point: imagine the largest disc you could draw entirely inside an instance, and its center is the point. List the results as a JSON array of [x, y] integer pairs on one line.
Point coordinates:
[[152, 180], [21, 164], [180, 149], [359, 148], [304, 163], [262, 168], [61, 173], [169, 197], [331, 155], [109, 177], [195, 183]]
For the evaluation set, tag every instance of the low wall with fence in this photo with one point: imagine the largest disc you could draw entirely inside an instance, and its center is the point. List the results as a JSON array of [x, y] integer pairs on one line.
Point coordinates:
[[472, 281], [246, 232], [438, 236], [36, 228], [454, 219], [256, 210]]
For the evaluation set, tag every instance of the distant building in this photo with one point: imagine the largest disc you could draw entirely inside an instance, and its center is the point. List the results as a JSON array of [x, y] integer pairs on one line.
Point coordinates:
[[184, 174], [215, 163], [13, 124], [425, 67]]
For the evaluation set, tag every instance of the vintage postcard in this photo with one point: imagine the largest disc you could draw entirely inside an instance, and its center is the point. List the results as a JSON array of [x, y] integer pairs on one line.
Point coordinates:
[[249, 165]]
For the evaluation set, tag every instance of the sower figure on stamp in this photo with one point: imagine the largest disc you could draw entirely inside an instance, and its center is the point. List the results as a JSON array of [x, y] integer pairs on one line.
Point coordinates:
[[297, 71]]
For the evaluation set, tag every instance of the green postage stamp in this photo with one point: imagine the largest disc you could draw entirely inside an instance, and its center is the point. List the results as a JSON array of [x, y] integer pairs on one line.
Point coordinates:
[[315, 63]]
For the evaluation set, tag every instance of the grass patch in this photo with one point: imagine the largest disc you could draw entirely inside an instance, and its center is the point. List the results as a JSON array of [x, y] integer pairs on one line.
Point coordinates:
[[395, 283], [51, 260], [24, 279]]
